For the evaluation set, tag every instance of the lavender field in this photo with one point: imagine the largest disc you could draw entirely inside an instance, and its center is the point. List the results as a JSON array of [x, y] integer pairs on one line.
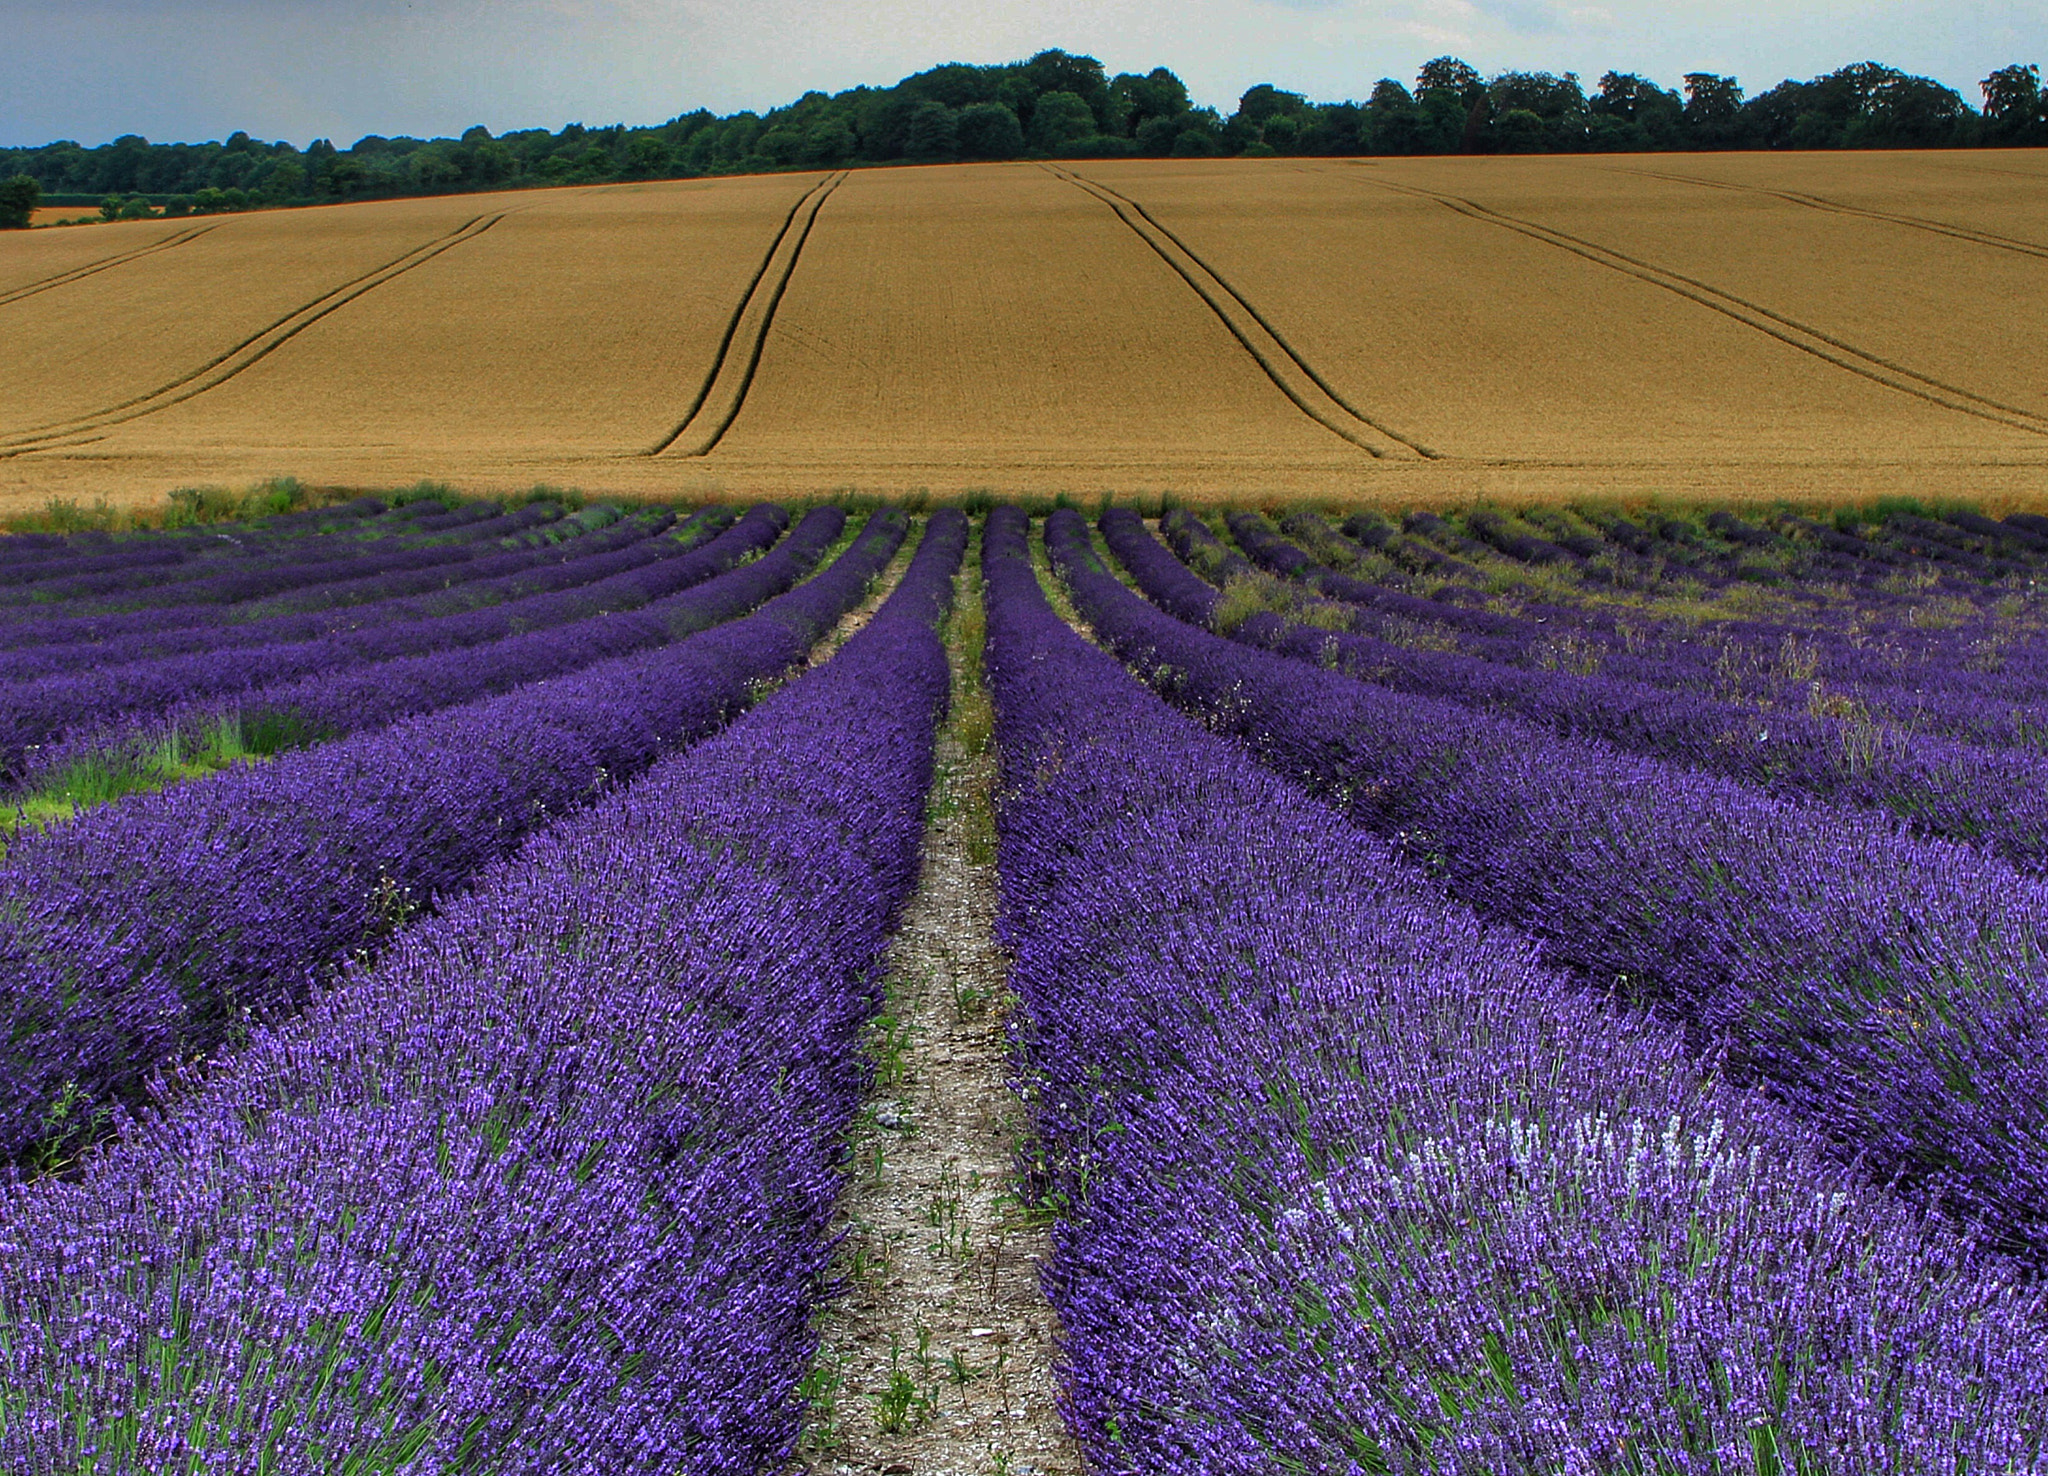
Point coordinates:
[[1477, 991]]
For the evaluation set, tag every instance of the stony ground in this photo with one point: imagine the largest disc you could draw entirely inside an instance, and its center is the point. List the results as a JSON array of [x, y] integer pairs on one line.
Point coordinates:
[[939, 1359]]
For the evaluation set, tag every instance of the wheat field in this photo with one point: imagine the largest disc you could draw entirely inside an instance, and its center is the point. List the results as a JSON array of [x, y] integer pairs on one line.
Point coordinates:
[[1730, 326]]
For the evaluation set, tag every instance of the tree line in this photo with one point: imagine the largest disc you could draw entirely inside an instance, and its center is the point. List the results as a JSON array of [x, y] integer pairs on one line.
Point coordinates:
[[1055, 105]]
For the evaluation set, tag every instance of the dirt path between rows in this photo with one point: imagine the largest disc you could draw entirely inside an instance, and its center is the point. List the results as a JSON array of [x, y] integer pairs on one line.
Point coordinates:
[[939, 1359]]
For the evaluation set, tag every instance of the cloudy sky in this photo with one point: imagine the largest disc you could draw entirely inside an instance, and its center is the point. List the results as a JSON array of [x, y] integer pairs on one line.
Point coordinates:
[[300, 69]]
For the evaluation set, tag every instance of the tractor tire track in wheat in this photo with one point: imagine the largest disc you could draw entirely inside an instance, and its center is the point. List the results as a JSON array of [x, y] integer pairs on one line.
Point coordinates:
[[1838, 207], [106, 263], [248, 352], [1290, 373], [724, 390], [1789, 331]]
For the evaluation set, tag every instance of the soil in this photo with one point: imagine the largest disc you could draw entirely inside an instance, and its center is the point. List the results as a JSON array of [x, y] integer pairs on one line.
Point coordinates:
[[940, 1358]]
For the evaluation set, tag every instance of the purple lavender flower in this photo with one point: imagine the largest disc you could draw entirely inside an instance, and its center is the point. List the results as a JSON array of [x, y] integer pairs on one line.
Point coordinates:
[[1346, 1181], [154, 929]]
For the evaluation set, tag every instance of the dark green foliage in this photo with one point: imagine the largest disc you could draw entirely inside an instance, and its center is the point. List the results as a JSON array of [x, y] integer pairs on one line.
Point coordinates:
[[1058, 103], [933, 133], [2015, 109], [989, 130], [1059, 121], [1135, 100], [1867, 105], [18, 199]]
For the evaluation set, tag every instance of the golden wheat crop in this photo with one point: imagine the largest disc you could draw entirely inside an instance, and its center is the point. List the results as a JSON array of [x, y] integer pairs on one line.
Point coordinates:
[[1727, 325], [46, 215]]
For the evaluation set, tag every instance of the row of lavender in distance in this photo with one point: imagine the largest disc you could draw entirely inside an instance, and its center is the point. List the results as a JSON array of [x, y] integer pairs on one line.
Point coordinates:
[[377, 574], [1980, 682], [1348, 1183], [109, 652], [350, 681], [548, 1187], [267, 569], [359, 513], [27, 564], [1997, 798], [1884, 645], [1892, 988], [148, 931], [1956, 548], [513, 575]]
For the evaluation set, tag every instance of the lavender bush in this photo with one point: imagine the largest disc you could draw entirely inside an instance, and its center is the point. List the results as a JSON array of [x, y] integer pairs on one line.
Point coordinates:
[[321, 608], [131, 576], [517, 573], [1892, 989], [1347, 1182], [153, 929], [547, 1188], [1996, 798], [354, 680], [1976, 681]]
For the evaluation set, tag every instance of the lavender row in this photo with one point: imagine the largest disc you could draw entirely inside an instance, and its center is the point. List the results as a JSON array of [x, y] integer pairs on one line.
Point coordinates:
[[266, 569], [483, 581], [1348, 1182], [1976, 683], [1996, 798], [1625, 629], [541, 637], [548, 1187], [600, 528], [33, 548], [1204, 550], [358, 680], [72, 627], [244, 571], [147, 931], [1892, 988], [28, 561], [1960, 548], [89, 702]]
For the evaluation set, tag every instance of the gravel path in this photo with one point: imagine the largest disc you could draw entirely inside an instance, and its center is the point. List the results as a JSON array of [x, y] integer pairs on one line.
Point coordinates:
[[939, 1358]]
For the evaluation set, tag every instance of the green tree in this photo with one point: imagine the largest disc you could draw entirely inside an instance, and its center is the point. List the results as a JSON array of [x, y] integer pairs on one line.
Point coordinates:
[[1393, 124], [1557, 103], [1446, 76], [829, 141], [1060, 71], [19, 196], [780, 145], [2014, 105], [989, 130], [1713, 108], [1266, 101], [1060, 120], [285, 182], [1910, 112], [1200, 136], [1135, 100], [1631, 112], [493, 163], [933, 133], [1336, 128], [1520, 131], [649, 157]]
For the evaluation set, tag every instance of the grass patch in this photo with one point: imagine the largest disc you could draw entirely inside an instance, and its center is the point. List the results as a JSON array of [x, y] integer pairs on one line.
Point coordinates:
[[187, 507], [102, 776]]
